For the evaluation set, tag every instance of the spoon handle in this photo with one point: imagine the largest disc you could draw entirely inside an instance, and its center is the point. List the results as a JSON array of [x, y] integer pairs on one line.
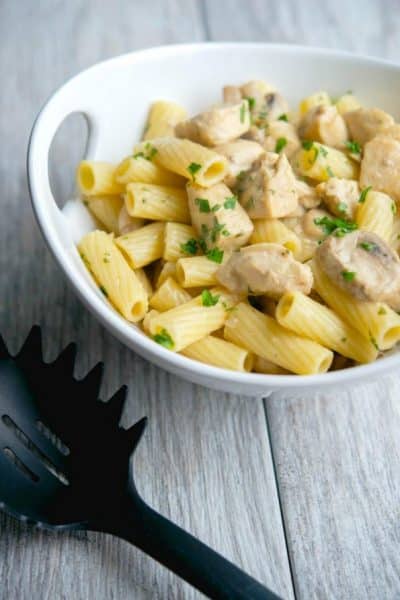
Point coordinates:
[[185, 555]]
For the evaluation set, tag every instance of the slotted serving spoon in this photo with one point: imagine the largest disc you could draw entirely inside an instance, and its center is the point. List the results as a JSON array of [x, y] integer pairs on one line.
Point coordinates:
[[65, 464]]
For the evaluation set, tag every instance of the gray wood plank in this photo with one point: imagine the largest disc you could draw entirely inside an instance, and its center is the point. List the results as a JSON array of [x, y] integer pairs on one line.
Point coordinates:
[[205, 460], [336, 455]]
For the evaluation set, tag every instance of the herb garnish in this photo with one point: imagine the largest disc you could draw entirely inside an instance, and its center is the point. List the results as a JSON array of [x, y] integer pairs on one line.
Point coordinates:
[[363, 194], [367, 246], [193, 168], [348, 275], [283, 118], [307, 144], [203, 204], [216, 255], [164, 339], [148, 154], [242, 112], [329, 172], [190, 247], [342, 207], [207, 299], [339, 227], [382, 311], [251, 101], [353, 147], [230, 202], [280, 144]]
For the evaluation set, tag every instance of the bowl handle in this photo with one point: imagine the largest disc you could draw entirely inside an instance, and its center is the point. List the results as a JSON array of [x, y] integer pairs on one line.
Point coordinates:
[[60, 106]]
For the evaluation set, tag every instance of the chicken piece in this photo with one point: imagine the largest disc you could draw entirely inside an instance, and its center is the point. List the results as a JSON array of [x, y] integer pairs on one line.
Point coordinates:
[[218, 218], [241, 155], [273, 107], [324, 124], [255, 134], [364, 265], [366, 123], [308, 197], [340, 196], [231, 94], [269, 189], [219, 125], [380, 166], [268, 269], [126, 223], [257, 90], [309, 224], [393, 131], [284, 135]]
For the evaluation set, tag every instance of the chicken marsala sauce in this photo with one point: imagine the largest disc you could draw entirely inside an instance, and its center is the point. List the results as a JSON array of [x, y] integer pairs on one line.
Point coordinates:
[[300, 190]]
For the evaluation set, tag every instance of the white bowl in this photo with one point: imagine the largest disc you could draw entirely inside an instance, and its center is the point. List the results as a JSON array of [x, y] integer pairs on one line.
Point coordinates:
[[115, 95]]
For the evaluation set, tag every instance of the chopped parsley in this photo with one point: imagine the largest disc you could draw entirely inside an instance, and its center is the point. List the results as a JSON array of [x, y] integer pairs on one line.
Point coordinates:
[[307, 144], [363, 194], [382, 311], [394, 208], [283, 118], [203, 204], [148, 154], [106, 257], [103, 291], [367, 246], [342, 207], [193, 168], [243, 112], [251, 101], [216, 230], [207, 299], [216, 255], [280, 144], [203, 245], [353, 147], [323, 151], [373, 341], [339, 227], [230, 202], [164, 339], [190, 247], [348, 275]]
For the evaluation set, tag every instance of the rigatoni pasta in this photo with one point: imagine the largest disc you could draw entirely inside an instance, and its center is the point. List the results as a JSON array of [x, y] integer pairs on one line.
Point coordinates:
[[143, 246], [157, 202], [107, 210], [163, 116], [220, 353], [96, 178]]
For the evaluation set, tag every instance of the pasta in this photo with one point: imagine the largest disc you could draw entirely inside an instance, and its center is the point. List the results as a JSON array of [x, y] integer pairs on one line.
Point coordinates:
[[107, 210], [179, 241], [156, 202], [376, 214], [143, 246], [118, 283], [163, 117], [254, 236], [263, 336], [139, 169], [312, 320], [220, 353], [97, 178], [195, 162]]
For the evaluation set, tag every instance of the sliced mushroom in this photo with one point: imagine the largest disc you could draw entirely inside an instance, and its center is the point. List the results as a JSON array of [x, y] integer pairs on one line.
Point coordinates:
[[340, 196], [269, 189], [284, 135], [366, 123], [218, 218], [364, 265], [324, 124], [241, 155], [268, 269], [219, 125], [380, 166]]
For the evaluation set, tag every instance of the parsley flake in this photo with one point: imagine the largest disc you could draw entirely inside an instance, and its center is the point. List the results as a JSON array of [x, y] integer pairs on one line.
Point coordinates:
[[382, 311], [243, 112], [251, 101], [207, 299], [203, 204], [348, 275], [307, 144], [164, 339], [363, 194], [367, 246], [283, 118], [353, 147], [193, 168], [339, 227], [342, 207], [394, 208], [230, 203], [216, 255], [280, 144], [323, 151], [329, 172], [190, 247]]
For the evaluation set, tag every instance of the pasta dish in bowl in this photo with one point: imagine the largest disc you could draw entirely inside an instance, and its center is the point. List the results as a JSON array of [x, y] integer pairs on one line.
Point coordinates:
[[248, 237]]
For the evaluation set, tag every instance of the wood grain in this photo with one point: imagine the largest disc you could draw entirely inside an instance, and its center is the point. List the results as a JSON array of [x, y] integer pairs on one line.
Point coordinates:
[[205, 461]]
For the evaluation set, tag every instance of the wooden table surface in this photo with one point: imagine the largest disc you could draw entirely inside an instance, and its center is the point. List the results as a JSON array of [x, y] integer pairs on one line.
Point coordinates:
[[303, 492]]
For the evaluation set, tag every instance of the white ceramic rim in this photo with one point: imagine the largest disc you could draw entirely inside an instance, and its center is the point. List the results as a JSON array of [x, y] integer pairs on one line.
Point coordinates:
[[106, 315]]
